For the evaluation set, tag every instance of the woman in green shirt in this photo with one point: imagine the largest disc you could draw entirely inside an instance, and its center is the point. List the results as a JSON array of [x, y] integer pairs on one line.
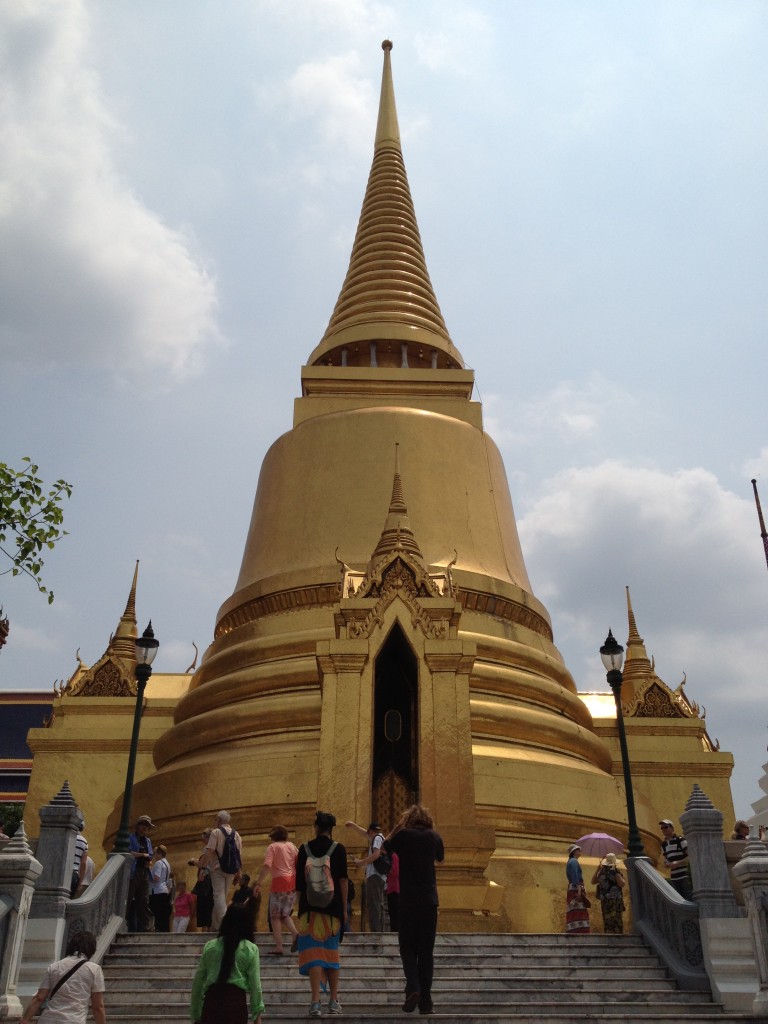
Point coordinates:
[[228, 968]]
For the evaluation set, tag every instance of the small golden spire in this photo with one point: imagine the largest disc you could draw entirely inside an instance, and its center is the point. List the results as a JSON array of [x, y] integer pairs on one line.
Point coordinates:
[[634, 636], [637, 664], [397, 534], [122, 643]]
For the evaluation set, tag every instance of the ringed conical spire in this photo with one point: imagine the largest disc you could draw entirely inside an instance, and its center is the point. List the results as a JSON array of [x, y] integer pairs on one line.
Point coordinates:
[[637, 664], [397, 533], [122, 644], [387, 299]]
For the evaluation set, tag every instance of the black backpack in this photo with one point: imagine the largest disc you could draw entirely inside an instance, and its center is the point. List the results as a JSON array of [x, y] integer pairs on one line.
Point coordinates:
[[230, 861], [383, 863]]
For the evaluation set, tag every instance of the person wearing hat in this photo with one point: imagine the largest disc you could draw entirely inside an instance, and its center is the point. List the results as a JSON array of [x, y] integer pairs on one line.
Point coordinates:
[[576, 901], [320, 927], [138, 913], [674, 850], [375, 883], [610, 881]]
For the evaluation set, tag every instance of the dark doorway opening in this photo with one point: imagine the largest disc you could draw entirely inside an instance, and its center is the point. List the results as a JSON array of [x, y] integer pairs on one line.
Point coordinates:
[[395, 729]]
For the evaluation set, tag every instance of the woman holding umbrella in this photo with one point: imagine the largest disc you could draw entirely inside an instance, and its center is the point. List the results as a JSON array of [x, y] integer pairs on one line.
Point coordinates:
[[610, 881]]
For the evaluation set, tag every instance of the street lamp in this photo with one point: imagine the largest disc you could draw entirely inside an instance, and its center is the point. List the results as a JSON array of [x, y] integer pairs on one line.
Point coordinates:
[[612, 654], [146, 649]]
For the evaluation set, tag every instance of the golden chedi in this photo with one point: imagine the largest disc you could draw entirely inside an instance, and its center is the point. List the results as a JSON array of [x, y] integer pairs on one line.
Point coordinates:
[[383, 643]]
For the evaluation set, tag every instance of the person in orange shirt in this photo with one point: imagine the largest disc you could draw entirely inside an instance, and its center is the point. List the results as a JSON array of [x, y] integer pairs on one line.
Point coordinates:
[[280, 864]]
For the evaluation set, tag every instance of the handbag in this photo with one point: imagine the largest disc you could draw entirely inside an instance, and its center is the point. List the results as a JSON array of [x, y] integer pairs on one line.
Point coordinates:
[[584, 898]]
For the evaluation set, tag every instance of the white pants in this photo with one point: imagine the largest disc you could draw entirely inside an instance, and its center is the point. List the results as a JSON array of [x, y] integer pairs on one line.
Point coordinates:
[[180, 924], [221, 885]]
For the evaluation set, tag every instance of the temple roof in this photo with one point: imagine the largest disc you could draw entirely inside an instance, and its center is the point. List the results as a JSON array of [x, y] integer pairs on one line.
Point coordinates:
[[387, 295]]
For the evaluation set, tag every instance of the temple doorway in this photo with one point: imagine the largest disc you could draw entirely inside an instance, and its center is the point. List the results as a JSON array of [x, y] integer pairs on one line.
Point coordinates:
[[395, 730]]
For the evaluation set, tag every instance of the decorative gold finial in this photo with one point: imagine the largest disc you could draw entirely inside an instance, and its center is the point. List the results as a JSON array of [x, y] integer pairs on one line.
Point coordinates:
[[387, 45]]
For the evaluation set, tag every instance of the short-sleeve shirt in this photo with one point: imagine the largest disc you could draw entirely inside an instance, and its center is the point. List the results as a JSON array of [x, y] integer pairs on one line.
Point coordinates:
[[71, 1002], [675, 850], [375, 844], [280, 858], [140, 844], [417, 850], [216, 844], [81, 850], [318, 847], [573, 871]]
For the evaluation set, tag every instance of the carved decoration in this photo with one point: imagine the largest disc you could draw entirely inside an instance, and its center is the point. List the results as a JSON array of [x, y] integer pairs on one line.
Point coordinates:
[[109, 677], [657, 702], [396, 575]]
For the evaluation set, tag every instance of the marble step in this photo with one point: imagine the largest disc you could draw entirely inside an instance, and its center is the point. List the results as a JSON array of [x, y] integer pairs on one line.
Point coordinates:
[[565, 1016], [513, 987], [464, 1000]]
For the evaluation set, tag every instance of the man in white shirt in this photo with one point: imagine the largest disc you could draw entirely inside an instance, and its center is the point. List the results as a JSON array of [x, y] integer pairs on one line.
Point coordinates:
[[375, 883], [220, 881]]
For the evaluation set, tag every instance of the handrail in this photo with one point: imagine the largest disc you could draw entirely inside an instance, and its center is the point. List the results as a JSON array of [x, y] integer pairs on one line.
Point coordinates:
[[669, 924], [101, 908]]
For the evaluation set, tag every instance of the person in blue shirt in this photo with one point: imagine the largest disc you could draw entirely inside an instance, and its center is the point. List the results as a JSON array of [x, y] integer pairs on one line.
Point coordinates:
[[576, 900], [138, 913]]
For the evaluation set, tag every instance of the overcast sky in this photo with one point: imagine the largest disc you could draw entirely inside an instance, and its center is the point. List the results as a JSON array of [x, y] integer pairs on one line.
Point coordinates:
[[180, 183]]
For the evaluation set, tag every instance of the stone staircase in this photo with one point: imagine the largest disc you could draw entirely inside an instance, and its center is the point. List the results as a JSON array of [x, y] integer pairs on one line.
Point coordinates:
[[542, 979]]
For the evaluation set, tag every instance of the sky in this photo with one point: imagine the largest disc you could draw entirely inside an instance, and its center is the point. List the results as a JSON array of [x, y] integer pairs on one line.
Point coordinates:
[[180, 184]]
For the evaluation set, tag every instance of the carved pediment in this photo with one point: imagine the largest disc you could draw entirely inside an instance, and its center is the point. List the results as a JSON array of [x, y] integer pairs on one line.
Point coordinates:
[[397, 576], [109, 677], [656, 700], [398, 573]]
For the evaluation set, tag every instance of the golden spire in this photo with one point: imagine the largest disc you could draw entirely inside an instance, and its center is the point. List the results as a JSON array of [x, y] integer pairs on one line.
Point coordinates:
[[637, 664], [397, 533], [387, 296], [122, 643]]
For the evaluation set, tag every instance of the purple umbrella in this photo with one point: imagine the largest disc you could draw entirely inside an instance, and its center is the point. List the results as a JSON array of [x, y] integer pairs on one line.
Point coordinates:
[[597, 844]]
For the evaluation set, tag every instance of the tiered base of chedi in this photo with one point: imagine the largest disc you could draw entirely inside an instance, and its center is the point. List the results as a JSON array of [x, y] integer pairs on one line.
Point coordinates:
[[357, 669]]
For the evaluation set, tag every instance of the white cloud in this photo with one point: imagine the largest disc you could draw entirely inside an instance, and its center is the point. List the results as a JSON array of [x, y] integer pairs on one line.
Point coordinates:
[[335, 96], [757, 467], [87, 273], [570, 412], [688, 550]]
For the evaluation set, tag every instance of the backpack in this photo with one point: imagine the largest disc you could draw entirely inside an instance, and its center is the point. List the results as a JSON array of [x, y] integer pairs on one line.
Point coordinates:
[[229, 858], [317, 875], [383, 863]]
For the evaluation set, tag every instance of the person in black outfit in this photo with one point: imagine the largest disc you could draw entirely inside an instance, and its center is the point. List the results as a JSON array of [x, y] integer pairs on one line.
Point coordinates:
[[418, 847]]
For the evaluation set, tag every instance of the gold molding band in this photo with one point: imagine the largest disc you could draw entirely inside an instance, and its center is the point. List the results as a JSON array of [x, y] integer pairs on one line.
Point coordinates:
[[503, 608], [328, 594]]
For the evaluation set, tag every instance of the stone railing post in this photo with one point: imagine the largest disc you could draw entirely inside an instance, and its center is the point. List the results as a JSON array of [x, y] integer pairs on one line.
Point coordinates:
[[752, 872], [703, 828], [59, 821], [18, 872]]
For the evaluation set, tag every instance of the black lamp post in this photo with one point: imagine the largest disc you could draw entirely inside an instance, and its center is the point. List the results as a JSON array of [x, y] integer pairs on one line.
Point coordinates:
[[612, 654], [146, 649]]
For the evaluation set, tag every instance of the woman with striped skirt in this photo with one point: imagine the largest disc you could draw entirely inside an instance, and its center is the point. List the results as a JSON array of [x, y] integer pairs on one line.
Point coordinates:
[[320, 927], [577, 904]]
